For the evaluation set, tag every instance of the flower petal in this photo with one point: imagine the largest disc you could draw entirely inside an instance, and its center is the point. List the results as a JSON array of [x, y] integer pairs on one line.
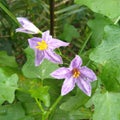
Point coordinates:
[[60, 73], [39, 57], [53, 57], [76, 62], [24, 30], [27, 26], [46, 36], [55, 43], [85, 71], [84, 86], [23, 21], [33, 42], [68, 85]]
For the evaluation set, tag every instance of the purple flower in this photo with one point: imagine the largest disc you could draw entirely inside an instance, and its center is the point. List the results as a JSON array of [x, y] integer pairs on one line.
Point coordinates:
[[27, 26], [75, 74], [44, 48]]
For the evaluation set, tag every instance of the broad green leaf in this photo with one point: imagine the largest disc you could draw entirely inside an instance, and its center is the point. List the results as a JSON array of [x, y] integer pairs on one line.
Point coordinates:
[[109, 49], [110, 8], [32, 109], [79, 114], [97, 26], [55, 88], [8, 85], [24, 97], [30, 106], [107, 54], [27, 118], [12, 112], [31, 71], [6, 60], [69, 33], [42, 94], [60, 115], [110, 75], [15, 112], [107, 106], [74, 102]]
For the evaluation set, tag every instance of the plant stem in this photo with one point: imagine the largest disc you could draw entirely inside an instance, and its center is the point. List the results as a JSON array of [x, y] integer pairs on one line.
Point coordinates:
[[52, 17], [117, 20], [85, 43], [40, 32], [53, 107], [39, 105]]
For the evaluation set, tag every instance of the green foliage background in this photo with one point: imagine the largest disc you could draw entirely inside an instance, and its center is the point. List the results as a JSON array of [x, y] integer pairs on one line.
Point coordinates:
[[92, 27]]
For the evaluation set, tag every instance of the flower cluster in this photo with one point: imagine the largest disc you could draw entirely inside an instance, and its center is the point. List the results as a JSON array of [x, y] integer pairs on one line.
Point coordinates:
[[44, 48]]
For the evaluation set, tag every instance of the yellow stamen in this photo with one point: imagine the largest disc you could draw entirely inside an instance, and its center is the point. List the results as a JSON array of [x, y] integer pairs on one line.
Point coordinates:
[[42, 45], [76, 73]]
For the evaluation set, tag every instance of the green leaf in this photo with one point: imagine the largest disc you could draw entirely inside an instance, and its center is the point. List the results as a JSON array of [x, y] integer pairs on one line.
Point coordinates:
[[31, 71], [15, 112], [107, 54], [27, 118], [12, 112], [74, 102], [30, 106], [110, 75], [106, 106], [55, 88], [42, 94], [31, 109], [24, 97], [8, 85], [110, 8], [60, 115], [97, 26], [109, 49], [6, 60], [69, 33], [79, 114]]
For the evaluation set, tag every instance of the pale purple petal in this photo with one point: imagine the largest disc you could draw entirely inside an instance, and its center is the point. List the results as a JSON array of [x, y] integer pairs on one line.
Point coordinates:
[[27, 26], [46, 36], [55, 43], [33, 42], [24, 30], [53, 57], [60, 73], [68, 85], [23, 21], [88, 73], [84, 86], [39, 57], [76, 62]]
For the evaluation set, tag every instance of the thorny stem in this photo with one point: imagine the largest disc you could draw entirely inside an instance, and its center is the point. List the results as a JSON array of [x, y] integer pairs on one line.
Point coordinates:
[[52, 2]]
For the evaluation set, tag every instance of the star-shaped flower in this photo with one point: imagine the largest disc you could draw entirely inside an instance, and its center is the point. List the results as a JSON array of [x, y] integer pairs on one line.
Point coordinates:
[[44, 48], [82, 76], [27, 26]]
